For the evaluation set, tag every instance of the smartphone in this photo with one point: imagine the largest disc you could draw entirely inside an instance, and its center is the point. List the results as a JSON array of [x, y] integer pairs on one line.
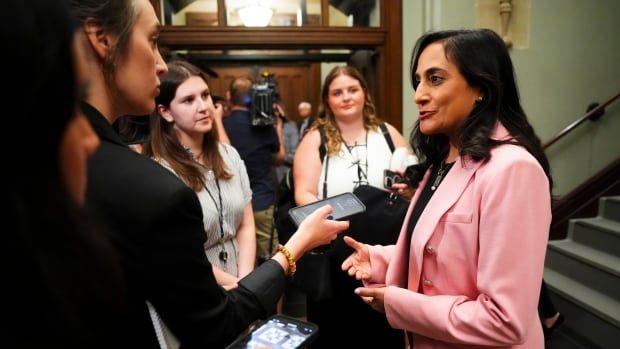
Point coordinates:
[[278, 331], [344, 205], [390, 178]]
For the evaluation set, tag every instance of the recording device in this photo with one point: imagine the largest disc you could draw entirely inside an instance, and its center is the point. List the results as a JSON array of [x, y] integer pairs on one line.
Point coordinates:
[[344, 205], [390, 178], [263, 97], [400, 160], [278, 332]]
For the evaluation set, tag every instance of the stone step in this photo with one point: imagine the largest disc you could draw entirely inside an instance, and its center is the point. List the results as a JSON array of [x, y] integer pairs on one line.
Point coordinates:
[[592, 267], [609, 208], [588, 313], [599, 233]]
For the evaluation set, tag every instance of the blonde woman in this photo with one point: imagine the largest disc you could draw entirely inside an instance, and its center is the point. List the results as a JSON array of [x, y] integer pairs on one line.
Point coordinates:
[[357, 154]]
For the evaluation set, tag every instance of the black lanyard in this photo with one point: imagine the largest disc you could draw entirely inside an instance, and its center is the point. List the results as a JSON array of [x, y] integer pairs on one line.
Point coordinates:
[[220, 210]]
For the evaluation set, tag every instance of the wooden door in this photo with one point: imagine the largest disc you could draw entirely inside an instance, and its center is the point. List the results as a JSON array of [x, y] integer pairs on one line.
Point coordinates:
[[294, 83]]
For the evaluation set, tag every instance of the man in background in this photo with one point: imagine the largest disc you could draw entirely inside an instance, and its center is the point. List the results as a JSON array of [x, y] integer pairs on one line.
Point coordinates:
[[304, 111], [261, 147], [292, 132]]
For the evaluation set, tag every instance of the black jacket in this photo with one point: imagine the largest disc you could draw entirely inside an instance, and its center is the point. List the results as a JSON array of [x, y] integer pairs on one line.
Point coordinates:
[[156, 224]]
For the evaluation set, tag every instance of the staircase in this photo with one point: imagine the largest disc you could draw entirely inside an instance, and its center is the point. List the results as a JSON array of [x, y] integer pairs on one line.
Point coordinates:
[[583, 275]]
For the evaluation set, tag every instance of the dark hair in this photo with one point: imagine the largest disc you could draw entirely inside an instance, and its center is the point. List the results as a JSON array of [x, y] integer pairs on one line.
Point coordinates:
[[116, 16], [61, 276], [483, 59], [326, 117], [163, 142], [40, 45]]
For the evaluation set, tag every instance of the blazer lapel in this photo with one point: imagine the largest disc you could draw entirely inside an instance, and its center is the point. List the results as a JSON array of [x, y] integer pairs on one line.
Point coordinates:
[[444, 197]]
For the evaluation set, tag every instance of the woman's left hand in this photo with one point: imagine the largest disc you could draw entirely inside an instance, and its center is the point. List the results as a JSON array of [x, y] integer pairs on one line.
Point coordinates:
[[372, 296]]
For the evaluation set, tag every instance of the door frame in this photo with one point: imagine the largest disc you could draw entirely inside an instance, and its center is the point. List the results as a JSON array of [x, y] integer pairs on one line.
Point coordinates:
[[385, 41]]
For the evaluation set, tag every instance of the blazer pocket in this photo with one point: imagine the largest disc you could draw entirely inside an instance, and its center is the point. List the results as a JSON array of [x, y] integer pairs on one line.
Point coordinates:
[[452, 217]]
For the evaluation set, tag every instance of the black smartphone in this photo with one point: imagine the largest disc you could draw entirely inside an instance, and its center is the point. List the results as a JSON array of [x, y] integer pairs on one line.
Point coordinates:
[[390, 178], [278, 332], [344, 205]]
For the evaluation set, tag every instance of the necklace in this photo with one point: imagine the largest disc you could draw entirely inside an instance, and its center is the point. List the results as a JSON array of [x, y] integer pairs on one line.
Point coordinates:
[[443, 168], [356, 161]]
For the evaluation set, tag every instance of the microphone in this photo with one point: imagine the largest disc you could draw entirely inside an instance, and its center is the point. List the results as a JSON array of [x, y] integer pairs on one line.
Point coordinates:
[[401, 159]]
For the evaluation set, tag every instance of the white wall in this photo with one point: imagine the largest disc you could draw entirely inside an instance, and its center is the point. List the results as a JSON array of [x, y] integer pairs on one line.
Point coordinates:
[[573, 59]]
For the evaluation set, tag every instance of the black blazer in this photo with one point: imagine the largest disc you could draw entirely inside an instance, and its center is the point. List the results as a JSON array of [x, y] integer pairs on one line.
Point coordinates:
[[156, 223]]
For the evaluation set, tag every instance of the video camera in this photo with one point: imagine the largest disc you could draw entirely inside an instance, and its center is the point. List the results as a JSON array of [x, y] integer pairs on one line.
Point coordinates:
[[264, 96]]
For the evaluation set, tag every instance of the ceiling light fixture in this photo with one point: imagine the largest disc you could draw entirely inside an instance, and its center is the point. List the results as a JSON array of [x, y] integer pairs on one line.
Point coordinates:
[[255, 15]]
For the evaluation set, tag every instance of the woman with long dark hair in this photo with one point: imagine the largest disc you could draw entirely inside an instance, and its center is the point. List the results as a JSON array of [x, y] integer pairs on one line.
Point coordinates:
[[468, 264], [62, 281]]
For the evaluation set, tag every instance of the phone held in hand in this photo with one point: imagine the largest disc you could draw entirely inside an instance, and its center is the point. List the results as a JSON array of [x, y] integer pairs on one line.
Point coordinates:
[[344, 205], [390, 178], [278, 332]]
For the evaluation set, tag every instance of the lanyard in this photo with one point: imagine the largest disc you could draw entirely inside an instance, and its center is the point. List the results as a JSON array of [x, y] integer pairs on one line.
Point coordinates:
[[220, 210]]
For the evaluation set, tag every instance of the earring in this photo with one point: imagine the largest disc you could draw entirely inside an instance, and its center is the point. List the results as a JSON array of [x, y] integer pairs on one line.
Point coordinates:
[[479, 99]]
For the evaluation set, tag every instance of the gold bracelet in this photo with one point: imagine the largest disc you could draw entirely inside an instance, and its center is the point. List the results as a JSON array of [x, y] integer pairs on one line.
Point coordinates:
[[292, 264]]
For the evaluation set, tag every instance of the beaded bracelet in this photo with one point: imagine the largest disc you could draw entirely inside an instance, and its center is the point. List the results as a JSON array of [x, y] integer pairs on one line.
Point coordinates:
[[292, 264]]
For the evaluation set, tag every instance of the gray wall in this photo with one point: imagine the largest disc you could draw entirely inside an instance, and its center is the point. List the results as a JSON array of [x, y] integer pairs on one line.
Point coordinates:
[[573, 59]]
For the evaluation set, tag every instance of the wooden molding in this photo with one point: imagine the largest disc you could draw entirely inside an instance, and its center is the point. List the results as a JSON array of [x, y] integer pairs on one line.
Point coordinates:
[[179, 37], [390, 77]]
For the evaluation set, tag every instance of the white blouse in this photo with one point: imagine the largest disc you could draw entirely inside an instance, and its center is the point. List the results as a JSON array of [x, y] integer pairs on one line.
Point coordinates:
[[365, 161]]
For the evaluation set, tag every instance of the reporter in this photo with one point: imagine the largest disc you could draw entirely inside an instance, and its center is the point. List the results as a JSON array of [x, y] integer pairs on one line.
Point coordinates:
[[157, 219]]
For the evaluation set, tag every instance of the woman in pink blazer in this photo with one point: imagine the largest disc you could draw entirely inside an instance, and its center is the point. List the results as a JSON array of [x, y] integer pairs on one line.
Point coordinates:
[[467, 267]]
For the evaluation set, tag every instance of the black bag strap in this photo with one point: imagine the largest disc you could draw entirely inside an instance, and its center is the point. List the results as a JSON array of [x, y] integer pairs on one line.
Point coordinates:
[[322, 153], [388, 137], [323, 145]]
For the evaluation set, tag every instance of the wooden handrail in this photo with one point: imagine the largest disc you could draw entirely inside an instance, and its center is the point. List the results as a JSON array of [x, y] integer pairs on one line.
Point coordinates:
[[599, 109]]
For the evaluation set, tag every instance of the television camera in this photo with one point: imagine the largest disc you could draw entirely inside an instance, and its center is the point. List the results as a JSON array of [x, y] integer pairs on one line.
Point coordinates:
[[263, 98]]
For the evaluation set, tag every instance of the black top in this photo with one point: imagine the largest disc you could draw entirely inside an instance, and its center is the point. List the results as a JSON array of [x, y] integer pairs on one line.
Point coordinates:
[[157, 228], [425, 196]]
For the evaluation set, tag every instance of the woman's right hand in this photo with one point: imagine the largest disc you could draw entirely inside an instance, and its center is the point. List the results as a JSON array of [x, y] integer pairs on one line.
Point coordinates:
[[358, 263]]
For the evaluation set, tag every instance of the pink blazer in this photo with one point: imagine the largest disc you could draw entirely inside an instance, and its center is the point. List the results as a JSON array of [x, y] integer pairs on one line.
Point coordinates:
[[472, 272]]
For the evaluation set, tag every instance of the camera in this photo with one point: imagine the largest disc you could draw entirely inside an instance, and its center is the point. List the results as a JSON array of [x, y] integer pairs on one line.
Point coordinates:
[[390, 178], [263, 97]]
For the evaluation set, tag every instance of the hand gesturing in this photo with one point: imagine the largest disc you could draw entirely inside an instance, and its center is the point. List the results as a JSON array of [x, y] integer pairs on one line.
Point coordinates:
[[358, 263]]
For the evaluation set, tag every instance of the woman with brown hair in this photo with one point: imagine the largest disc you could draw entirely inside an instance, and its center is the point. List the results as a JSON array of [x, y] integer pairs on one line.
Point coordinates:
[[184, 139], [157, 222]]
